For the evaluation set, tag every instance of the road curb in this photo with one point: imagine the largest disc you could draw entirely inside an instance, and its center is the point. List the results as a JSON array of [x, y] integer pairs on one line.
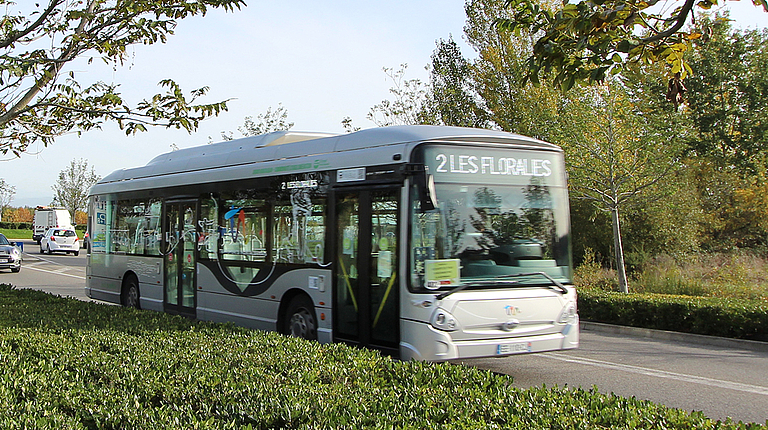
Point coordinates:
[[674, 336]]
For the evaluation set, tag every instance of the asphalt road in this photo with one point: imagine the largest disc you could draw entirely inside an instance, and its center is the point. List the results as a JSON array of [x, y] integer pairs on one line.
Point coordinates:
[[60, 274], [686, 372]]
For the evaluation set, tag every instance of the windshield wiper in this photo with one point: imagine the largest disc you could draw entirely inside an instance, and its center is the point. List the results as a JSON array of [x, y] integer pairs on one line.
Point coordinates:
[[555, 284], [472, 284]]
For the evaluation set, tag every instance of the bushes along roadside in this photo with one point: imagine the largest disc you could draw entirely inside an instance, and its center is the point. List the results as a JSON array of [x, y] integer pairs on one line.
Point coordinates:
[[66, 364], [734, 318]]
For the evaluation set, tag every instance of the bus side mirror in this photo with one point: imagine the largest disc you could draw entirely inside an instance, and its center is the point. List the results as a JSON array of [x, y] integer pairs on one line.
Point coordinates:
[[425, 186]]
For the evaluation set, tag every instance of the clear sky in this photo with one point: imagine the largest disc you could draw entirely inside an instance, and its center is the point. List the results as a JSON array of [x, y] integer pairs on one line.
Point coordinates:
[[321, 60]]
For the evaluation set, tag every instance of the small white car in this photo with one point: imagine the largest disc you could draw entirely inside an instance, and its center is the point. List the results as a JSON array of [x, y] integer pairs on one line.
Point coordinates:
[[60, 240]]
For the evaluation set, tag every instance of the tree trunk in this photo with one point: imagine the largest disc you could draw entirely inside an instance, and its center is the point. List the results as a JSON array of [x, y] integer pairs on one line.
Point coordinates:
[[619, 249]]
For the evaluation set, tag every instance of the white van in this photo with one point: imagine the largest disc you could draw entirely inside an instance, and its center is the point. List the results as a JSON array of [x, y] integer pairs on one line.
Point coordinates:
[[48, 217]]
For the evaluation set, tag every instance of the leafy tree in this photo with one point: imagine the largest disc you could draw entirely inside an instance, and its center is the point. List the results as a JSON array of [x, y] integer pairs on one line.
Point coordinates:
[[736, 206], [614, 157], [667, 219], [24, 214], [81, 218], [591, 239], [71, 189], [408, 106], [729, 136], [7, 191], [348, 126], [727, 102], [497, 76], [267, 122], [589, 40], [40, 101], [452, 99], [670, 218]]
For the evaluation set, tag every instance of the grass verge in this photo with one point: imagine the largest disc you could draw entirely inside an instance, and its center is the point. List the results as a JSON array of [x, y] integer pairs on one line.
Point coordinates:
[[16, 234]]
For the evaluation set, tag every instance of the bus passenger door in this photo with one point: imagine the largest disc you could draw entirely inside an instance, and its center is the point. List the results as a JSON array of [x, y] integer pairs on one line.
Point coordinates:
[[180, 234], [366, 292]]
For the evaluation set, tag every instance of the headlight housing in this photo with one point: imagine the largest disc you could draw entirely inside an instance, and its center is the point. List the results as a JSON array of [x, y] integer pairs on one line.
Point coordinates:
[[443, 320], [569, 313]]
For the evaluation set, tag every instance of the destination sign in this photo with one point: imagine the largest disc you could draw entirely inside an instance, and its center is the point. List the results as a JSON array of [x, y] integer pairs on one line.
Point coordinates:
[[494, 165], [472, 164]]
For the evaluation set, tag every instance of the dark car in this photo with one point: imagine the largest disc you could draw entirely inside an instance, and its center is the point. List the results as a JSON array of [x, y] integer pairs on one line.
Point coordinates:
[[10, 256]]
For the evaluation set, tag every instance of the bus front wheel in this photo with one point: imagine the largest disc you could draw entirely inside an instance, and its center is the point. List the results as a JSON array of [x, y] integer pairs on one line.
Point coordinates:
[[300, 318]]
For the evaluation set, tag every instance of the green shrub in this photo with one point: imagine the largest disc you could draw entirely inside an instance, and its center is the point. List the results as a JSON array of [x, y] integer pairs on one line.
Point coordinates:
[[591, 275], [16, 225], [66, 364], [734, 318]]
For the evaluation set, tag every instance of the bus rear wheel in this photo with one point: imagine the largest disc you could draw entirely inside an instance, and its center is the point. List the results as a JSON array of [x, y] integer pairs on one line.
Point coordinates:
[[131, 293], [300, 318]]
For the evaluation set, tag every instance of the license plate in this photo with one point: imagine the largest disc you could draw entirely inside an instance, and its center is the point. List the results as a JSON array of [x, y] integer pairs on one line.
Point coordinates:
[[3, 260], [513, 348]]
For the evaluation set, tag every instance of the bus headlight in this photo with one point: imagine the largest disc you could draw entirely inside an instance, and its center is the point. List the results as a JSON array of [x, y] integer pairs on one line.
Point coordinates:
[[568, 314], [443, 320]]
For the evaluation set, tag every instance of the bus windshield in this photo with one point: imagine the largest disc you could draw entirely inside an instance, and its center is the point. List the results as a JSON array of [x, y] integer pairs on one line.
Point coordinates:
[[499, 213]]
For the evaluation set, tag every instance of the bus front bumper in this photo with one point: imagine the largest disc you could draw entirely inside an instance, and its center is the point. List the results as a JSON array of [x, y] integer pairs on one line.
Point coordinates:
[[429, 344]]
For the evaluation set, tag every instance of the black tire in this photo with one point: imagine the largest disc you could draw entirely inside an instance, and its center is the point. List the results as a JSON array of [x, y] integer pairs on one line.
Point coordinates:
[[130, 296], [16, 269], [76, 253], [42, 251], [299, 319]]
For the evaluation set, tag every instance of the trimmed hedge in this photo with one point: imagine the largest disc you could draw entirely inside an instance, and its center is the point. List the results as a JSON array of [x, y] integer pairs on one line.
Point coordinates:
[[16, 225], [67, 364], [734, 318]]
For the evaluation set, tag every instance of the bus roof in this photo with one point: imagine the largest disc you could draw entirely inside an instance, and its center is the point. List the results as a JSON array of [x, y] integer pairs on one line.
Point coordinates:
[[289, 146]]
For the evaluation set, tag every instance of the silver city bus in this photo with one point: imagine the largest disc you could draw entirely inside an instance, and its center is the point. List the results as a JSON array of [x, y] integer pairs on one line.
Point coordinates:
[[427, 243]]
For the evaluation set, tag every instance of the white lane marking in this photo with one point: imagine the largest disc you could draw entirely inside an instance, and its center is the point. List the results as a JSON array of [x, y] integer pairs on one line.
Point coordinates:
[[39, 259], [54, 272], [755, 389]]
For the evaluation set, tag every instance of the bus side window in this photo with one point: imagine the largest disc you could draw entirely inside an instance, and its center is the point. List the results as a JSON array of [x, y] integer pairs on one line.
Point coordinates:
[[209, 229], [151, 233], [299, 228], [315, 238], [242, 227], [135, 228], [285, 245]]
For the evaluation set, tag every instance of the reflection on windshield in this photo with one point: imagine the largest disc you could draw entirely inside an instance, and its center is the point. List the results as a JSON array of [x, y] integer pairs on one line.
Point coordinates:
[[483, 231]]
